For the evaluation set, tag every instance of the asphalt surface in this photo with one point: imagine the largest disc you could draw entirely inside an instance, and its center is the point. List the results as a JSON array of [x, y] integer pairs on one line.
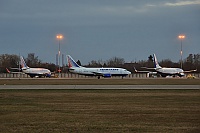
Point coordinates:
[[100, 87]]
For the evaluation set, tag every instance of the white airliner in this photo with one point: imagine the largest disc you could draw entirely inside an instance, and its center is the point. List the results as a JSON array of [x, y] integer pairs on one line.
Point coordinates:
[[168, 71], [32, 72], [104, 72]]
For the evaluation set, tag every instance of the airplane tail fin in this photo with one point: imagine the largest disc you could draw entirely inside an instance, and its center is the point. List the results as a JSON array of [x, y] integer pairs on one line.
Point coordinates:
[[71, 62], [23, 63], [135, 69], [156, 65], [7, 70]]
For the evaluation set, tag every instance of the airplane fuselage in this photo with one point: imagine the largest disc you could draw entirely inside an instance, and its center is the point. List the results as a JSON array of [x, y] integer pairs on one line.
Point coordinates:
[[33, 72], [170, 72], [105, 72]]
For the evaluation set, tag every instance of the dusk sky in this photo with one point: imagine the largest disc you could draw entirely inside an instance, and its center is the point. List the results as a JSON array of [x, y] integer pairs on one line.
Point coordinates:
[[100, 29]]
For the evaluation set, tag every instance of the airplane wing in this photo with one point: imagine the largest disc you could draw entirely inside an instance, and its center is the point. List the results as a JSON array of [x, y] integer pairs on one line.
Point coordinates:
[[71, 69], [41, 73], [98, 73], [190, 71], [153, 70], [11, 71], [102, 74], [15, 68], [150, 72], [141, 71], [148, 68]]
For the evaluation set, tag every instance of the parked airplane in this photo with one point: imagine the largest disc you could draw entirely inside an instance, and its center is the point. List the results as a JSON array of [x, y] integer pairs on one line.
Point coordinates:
[[32, 72], [104, 72], [164, 72], [167, 71]]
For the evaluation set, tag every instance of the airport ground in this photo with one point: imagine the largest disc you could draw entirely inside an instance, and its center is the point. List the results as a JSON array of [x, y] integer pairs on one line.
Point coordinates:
[[94, 110], [102, 81], [104, 105]]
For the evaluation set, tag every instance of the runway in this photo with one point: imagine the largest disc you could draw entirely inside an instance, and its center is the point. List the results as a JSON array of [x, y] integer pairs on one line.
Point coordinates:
[[181, 87]]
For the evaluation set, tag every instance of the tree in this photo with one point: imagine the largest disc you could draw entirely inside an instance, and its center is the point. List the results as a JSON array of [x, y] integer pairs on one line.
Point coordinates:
[[7, 61], [196, 59], [33, 61], [150, 61], [188, 63], [166, 63], [150, 58], [192, 62], [197, 62], [93, 63], [115, 62]]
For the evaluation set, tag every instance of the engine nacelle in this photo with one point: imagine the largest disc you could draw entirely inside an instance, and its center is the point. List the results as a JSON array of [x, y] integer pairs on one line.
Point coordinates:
[[181, 74], [107, 75], [48, 75]]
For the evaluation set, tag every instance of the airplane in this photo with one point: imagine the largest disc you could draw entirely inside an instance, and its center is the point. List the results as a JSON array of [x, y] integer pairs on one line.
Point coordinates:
[[32, 72], [164, 72], [104, 72]]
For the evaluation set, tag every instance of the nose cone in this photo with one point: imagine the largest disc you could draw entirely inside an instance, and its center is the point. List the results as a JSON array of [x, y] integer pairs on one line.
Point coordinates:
[[128, 72]]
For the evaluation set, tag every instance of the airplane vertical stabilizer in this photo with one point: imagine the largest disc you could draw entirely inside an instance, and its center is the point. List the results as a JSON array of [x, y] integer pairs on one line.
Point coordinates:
[[71, 62], [23, 63], [156, 65]]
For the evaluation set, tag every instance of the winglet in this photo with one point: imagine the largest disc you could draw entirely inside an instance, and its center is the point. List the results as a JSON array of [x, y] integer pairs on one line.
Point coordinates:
[[71, 62]]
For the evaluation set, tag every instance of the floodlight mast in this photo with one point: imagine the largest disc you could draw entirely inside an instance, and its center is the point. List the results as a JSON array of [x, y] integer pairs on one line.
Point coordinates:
[[59, 37], [181, 37]]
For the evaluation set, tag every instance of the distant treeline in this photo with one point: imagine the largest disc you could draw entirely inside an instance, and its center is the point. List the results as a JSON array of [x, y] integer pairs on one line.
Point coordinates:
[[12, 61]]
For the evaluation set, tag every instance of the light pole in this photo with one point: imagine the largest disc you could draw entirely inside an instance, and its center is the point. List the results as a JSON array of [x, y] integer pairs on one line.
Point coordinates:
[[59, 37], [181, 37]]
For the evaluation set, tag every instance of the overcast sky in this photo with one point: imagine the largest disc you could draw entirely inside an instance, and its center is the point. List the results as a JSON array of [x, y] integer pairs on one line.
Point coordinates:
[[100, 29]]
